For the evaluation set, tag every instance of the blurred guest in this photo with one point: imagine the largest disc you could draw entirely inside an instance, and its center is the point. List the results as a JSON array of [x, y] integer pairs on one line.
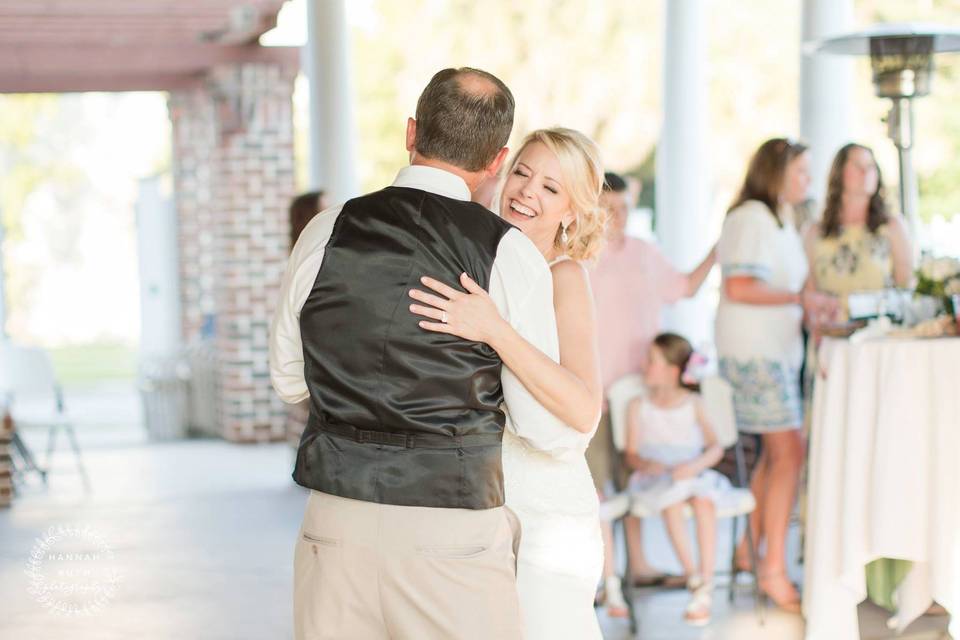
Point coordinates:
[[758, 335], [857, 245], [302, 210], [632, 282]]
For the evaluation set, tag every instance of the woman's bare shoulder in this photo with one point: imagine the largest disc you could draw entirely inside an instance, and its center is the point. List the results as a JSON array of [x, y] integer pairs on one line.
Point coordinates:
[[571, 281], [569, 271], [895, 226]]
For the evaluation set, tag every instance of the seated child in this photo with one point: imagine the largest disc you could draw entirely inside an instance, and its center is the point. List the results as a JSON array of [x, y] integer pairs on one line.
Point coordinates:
[[671, 447]]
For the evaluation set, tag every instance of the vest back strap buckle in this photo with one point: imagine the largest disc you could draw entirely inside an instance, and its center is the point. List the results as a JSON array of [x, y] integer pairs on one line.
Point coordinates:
[[406, 440]]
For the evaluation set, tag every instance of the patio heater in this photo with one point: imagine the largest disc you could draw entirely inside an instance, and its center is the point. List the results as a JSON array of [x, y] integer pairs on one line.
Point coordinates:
[[901, 57]]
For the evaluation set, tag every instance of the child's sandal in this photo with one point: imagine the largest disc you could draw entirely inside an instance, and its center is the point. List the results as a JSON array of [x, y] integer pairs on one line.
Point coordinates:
[[615, 604], [697, 612]]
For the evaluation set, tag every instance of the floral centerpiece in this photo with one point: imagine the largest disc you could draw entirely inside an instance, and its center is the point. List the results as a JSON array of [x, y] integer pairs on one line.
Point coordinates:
[[940, 278]]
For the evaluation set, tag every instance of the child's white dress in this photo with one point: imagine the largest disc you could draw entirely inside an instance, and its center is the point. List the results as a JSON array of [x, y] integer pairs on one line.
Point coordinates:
[[672, 436]]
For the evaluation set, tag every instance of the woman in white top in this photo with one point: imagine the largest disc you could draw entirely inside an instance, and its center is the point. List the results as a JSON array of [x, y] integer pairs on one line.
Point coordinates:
[[759, 340], [551, 193]]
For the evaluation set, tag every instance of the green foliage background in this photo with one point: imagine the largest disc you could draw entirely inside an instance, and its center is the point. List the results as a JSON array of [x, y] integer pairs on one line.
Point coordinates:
[[596, 66]]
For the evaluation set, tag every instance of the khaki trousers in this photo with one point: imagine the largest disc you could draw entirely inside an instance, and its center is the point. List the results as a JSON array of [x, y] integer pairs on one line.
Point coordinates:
[[368, 571]]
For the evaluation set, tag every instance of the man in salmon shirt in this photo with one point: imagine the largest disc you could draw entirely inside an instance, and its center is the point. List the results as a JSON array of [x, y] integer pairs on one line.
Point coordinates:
[[632, 282]]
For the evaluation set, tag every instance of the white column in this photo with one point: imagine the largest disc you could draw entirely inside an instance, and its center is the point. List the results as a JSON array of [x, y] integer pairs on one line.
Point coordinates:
[[332, 131], [826, 95], [157, 248], [3, 288], [682, 197]]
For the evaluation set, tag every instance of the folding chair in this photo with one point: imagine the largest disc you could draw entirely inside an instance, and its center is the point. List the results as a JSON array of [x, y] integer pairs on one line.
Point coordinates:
[[616, 507], [619, 396], [27, 372]]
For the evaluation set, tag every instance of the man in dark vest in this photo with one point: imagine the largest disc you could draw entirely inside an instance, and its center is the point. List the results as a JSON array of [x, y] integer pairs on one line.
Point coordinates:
[[405, 533]]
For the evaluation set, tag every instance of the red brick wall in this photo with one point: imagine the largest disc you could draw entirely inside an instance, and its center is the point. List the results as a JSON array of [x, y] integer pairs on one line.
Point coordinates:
[[233, 180]]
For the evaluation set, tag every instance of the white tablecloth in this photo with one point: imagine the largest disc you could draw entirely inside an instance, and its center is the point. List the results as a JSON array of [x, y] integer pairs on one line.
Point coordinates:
[[884, 479]]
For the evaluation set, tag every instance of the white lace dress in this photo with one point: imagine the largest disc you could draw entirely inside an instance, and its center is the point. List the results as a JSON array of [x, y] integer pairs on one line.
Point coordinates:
[[561, 549]]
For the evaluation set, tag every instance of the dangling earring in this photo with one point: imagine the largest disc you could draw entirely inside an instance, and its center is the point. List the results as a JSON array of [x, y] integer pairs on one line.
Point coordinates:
[[563, 235]]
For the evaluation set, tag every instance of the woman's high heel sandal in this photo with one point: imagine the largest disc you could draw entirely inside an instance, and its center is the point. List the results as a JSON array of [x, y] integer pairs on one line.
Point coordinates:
[[784, 595]]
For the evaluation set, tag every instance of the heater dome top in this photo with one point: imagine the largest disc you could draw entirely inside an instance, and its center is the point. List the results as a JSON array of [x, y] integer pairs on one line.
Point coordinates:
[[944, 38]]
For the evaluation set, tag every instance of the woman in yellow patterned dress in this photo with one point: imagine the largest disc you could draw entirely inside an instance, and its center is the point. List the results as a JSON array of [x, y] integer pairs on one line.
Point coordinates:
[[859, 246]]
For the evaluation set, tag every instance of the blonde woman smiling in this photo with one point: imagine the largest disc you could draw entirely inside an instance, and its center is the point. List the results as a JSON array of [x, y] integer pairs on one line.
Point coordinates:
[[551, 193]]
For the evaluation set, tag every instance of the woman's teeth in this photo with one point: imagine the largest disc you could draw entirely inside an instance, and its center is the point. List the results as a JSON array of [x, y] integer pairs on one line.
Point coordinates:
[[522, 209]]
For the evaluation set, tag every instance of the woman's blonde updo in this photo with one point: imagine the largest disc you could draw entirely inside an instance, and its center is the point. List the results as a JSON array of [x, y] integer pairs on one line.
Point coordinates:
[[583, 179]]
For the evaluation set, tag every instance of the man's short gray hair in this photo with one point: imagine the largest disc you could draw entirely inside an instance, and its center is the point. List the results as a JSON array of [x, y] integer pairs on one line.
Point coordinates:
[[464, 126]]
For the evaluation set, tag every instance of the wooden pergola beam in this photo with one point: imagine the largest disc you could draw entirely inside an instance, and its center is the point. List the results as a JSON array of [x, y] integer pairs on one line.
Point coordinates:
[[47, 8], [129, 45], [65, 68], [77, 82]]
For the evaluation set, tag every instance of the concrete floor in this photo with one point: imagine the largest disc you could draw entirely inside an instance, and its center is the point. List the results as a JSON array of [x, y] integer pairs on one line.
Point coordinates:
[[660, 612], [201, 536], [659, 618], [201, 532]]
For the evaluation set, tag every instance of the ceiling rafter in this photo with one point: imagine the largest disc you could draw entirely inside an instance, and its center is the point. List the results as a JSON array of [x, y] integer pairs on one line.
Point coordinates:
[[115, 45]]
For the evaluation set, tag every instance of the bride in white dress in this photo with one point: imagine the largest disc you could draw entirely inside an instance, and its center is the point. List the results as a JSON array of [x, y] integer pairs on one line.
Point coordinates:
[[551, 193]]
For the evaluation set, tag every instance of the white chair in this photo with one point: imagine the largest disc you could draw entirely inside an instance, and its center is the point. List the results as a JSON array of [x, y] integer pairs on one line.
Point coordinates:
[[616, 505], [717, 397], [26, 374], [619, 395]]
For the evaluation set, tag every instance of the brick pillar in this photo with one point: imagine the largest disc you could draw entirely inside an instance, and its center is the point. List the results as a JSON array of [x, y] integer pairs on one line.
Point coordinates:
[[6, 460], [233, 180]]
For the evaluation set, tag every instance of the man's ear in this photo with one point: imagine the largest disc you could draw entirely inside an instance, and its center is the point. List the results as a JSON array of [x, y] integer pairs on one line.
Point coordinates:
[[494, 167], [411, 134]]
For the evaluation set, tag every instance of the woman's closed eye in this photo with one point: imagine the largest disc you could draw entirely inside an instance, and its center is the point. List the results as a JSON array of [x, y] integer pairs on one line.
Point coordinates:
[[550, 189]]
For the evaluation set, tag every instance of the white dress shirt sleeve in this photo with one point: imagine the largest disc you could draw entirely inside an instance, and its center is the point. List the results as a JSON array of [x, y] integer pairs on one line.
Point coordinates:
[[521, 285], [286, 348]]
